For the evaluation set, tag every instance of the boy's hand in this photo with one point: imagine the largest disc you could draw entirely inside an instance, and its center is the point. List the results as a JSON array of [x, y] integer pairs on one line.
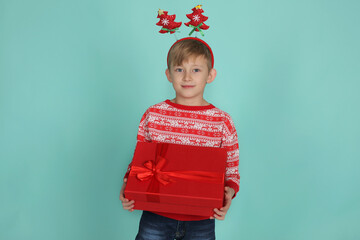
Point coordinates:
[[220, 214], [127, 205]]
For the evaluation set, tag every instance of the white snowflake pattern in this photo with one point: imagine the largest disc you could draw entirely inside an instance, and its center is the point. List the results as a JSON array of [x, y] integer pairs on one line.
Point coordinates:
[[165, 21], [196, 18]]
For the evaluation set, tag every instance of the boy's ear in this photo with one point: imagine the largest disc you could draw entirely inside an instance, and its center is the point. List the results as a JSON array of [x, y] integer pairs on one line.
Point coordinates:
[[212, 75], [167, 73]]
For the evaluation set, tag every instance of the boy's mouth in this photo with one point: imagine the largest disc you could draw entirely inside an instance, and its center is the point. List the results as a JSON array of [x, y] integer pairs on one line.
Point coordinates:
[[188, 86]]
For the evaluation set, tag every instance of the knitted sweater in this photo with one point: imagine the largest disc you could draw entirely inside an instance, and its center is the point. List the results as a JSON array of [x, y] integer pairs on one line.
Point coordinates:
[[206, 126]]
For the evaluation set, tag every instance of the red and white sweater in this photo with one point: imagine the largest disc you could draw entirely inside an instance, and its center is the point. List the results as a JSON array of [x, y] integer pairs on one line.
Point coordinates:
[[206, 126]]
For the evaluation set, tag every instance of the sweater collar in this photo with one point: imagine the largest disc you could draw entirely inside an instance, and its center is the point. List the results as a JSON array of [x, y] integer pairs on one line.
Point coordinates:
[[185, 107]]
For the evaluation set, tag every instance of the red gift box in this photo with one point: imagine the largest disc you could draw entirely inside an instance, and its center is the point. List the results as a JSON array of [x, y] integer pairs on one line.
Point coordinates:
[[178, 179]]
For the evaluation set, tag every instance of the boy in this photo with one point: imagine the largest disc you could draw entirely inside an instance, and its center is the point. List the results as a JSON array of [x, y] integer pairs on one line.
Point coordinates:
[[190, 120]]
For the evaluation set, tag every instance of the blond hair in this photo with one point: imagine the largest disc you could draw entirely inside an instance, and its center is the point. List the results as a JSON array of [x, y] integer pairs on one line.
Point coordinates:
[[187, 48]]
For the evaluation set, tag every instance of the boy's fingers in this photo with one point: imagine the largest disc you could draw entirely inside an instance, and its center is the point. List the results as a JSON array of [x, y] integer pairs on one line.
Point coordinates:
[[218, 212], [128, 207], [219, 217], [128, 203], [125, 205]]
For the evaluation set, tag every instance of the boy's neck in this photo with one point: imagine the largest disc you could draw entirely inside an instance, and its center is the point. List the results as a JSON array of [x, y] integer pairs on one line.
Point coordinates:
[[190, 102]]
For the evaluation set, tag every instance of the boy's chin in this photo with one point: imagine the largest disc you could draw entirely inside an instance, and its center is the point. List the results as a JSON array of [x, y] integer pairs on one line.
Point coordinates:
[[187, 96]]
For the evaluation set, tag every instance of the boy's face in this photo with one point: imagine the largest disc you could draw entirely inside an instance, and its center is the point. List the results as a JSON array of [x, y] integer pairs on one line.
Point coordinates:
[[190, 78]]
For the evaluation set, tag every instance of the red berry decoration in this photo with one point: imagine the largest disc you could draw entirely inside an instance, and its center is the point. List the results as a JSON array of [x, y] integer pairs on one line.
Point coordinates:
[[197, 20], [167, 22]]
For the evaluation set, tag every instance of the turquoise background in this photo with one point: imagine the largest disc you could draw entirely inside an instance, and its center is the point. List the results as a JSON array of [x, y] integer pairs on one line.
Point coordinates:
[[76, 77]]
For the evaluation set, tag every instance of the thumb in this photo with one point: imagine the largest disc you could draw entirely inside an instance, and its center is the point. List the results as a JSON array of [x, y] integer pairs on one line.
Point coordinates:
[[227, 190]]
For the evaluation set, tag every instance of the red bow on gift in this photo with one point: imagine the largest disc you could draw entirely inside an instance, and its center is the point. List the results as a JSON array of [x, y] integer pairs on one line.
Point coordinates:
[[152, 170]]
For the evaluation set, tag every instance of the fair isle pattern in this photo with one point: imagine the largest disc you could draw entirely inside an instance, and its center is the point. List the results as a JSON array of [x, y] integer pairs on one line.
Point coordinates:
[[207, 128]]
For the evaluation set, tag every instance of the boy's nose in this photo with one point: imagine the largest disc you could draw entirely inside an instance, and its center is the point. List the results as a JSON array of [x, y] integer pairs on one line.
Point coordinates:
[[187, 76]]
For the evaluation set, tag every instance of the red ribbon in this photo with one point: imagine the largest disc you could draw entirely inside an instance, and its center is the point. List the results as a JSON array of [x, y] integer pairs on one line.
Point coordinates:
[[152, 169]]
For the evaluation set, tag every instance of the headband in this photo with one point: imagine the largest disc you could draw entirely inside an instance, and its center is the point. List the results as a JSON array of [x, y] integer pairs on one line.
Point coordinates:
[[197, 23]]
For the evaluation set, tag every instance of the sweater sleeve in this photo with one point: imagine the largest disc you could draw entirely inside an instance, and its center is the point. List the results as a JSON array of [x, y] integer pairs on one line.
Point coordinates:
[[230, 143], [142, 135]]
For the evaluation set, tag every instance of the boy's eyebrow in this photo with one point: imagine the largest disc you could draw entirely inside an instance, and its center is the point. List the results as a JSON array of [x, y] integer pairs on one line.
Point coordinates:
[[195, 65]]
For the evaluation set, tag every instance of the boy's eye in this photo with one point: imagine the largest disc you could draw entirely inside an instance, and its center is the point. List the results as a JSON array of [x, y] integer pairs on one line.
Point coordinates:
[[178, 70], [196, 70]]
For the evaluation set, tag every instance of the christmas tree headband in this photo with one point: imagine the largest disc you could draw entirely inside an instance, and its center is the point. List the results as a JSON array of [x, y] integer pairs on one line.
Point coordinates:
[[196, 22]]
